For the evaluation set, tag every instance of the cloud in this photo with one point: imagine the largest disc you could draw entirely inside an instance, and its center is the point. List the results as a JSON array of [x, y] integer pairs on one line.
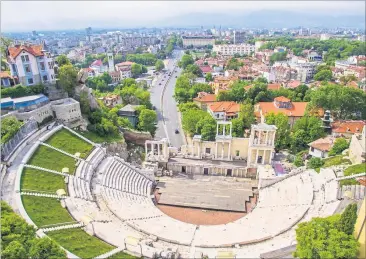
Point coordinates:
[[43, 15]]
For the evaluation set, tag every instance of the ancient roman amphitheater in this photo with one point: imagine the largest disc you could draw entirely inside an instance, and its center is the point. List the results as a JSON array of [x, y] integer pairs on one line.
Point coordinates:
[[112, 200]]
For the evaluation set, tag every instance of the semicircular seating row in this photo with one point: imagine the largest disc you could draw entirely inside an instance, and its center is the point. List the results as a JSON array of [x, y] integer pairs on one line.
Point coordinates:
[[279, 208]]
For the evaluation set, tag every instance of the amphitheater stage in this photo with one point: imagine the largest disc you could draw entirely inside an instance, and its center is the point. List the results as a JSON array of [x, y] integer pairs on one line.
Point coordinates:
[[206, 192]]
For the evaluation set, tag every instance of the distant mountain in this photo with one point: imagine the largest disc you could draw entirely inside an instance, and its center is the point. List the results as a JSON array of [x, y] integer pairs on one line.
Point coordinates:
[[265, 19]]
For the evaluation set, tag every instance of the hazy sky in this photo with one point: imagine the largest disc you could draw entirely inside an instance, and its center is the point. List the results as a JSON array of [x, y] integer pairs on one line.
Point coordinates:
[[43, 15]]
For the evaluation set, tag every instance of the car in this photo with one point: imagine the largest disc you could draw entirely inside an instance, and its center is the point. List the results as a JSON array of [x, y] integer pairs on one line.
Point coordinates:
[[176, 76], [176, 131], [159, 83], [154, 108]]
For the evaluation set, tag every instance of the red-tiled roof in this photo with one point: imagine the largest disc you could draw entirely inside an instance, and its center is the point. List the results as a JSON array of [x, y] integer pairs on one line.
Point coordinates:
[[205, 97], [348, 126], [127, 63], [35, 50], [274, 86], [282, 99], [205, 69], [228, 107], [293, 83], [297, 109], [323, 144], [97, 63]]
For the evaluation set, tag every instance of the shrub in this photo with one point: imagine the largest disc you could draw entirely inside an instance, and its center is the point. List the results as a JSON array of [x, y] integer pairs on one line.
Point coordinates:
[[9, 127], [339, 145], [315, 162], [348, 219]]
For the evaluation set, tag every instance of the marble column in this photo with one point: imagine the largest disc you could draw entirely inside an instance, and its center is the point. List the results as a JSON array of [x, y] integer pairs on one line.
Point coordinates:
[[264, 156], [256, 157]]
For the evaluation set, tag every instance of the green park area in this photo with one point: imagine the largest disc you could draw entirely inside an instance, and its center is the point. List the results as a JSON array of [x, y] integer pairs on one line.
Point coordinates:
[[37, 180], [80, 243], [354, 169], [45, 211], [67, 141]]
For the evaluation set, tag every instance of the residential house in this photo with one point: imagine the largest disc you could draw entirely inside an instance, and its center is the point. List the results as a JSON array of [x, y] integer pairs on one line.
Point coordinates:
[[31, 64], [205, 69], [292, 84], [221, 83], [232, 49], [6, 79], [91, 72], [224, 110], [112, 100], [281, 104], [125, 69], [116, 76], [97, 66], [204, 99], [321, 147], [347, 128], [129, 112]]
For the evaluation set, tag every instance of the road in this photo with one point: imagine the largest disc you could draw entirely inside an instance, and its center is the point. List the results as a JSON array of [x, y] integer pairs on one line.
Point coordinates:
[[166, 108]]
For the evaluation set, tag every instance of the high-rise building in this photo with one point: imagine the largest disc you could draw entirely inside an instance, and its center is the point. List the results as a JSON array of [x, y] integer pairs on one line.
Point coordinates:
[[88, 34]]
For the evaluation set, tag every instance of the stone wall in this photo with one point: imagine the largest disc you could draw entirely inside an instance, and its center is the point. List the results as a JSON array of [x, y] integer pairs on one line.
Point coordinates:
[[137, 137]]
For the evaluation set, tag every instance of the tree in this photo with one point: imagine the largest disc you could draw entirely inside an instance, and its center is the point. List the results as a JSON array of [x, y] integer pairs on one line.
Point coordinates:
[[199, 87], [321, 238], [14, 250], [46, 248], [347, 79], [234, 64], [136, 70], [62, 60], [315, 162], [280, 120], [238, 127], [188, 106], [209, 77], [191, 121], [9, 127], [84, 103], [246, 114], [67, 78], [159, 65], [298, 160], [194, 69], [348, 219], [278, 56], [306, 130], [185, 61], [340, 144], [147, 119], [323, 75], [181, 91], [208, 130]]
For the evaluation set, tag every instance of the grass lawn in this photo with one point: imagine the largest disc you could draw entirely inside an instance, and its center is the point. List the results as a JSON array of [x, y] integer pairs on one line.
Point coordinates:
[[51, 159], [45, 211], [80, 243], [70, 143], [336, 160], [98, 139], [37, 180], [354, 169], [122, 255]]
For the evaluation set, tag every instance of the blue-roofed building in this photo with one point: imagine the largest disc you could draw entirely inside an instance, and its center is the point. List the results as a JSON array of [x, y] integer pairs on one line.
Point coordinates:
[[26, 103]]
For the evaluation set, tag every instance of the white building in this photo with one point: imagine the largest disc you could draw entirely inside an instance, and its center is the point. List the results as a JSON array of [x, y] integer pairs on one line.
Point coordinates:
[[31, 64], [321, 147], [230, 50], [324, 36], [198, 41]]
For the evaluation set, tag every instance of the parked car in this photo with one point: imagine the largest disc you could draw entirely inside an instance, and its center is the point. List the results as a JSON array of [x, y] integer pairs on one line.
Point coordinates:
[[176, 131]]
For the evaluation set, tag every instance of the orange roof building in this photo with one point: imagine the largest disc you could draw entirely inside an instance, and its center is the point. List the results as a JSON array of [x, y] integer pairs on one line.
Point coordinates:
[[224, 110], [281, 104], [347, 128], [321, 147], [203, 99], [35, 50]]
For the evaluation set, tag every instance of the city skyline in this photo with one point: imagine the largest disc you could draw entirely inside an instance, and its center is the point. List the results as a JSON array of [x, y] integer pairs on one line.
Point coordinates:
[[62, 16]]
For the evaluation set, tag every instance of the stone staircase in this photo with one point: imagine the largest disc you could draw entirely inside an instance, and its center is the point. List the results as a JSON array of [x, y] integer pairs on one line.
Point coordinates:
[[110, 253], [47, 170], [61, 151], [38, 194], [77, 225]]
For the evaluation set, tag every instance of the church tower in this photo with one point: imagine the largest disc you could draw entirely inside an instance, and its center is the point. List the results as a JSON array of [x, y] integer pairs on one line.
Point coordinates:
[[110, 62]]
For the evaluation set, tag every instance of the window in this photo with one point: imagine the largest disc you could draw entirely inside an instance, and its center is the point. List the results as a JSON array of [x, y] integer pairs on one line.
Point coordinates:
[[312, 149], [237, 152], [25, 58], [208, 150], [27, 68], [45, 78], [30, 81], [42, 65]]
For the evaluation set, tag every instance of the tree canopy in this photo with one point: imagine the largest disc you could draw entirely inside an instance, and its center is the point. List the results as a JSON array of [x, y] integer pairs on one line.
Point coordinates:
[[185, 61], [159, 65], [147, 120], [67, 78]]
